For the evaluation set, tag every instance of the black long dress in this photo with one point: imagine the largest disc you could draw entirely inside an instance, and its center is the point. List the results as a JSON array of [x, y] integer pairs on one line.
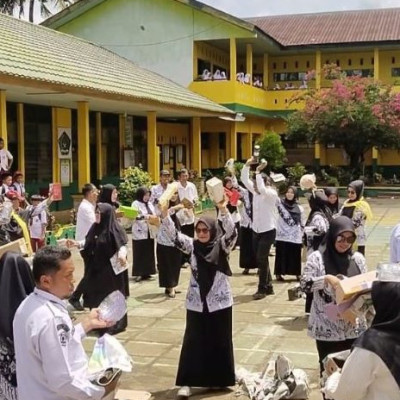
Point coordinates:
[[169, 260], [207, 358], [16, 283], [102, 242]]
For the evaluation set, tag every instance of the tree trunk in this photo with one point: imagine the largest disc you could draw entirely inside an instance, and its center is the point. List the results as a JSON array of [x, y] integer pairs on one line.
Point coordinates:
[[31, 9]]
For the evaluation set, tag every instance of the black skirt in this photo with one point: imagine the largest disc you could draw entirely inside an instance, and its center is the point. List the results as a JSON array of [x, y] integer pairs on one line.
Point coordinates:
[[287, 258], [247, 259], [144, 261], [207, 352], [169, 265]]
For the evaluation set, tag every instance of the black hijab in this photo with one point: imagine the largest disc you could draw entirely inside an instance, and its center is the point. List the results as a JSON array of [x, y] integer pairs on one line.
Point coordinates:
[[105, 238], [382, 338], [210, 257], [106, 193], [334, 208], [318, 202], [358, 187], [140, 193], [338, 263], [292, 206], [16, 283]]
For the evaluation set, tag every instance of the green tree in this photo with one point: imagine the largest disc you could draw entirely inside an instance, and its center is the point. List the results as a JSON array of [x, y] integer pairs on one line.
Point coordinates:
[[20, 7], [133, 178], [356, 114], [271, 148]]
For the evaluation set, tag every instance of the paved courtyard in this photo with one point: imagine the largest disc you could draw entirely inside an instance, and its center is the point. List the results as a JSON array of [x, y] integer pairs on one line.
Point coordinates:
[[262, 329]]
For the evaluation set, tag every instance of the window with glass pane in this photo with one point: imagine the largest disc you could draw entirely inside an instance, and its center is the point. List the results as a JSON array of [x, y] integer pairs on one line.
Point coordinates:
[[38, 144]]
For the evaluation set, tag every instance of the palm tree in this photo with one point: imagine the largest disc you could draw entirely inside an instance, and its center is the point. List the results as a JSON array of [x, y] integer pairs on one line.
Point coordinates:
[[19, 6]]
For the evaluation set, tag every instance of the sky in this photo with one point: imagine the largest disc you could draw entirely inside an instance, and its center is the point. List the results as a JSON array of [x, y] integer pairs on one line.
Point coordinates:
[[253, 8]]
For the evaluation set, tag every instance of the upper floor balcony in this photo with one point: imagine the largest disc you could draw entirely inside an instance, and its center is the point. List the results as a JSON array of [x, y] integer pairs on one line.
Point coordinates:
[[235, 93]]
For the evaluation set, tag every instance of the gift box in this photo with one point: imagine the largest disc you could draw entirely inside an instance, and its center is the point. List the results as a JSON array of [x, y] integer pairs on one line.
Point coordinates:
[[355, 285], [215, 189]]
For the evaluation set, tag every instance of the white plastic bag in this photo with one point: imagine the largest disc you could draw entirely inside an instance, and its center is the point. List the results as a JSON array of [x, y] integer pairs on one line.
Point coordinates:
[[108, 352]]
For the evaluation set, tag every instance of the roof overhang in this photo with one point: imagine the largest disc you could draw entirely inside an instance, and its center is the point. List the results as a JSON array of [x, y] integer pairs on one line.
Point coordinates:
[[23, 90]]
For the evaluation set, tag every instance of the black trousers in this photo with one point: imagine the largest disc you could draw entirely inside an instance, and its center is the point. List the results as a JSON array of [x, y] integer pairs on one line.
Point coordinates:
[[262, 243], [80, 289]]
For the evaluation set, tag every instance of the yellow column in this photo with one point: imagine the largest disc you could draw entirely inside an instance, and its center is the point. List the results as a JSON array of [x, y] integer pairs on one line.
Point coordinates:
[[249, 60], [375, 152], [233, 142], [122, 122], [214, 150], [317, 154], [232, 56], [195, 64], [152, 148], [21, 137], [195, 141], [318, 68], [99, 147], [246, 141], [61, 118], [266, 71], [3, 117], [83, 144], [376, 64]]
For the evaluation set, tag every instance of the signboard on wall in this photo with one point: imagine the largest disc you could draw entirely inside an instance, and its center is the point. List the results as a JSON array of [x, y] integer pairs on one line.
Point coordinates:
[[64, 143]]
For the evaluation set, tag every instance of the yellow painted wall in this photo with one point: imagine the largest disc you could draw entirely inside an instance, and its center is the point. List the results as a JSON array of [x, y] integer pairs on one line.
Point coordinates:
[[336, 157], [386, 65], [388, 157]]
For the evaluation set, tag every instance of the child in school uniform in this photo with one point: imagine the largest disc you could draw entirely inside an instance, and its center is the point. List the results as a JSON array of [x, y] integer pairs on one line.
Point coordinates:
[[37, 224]]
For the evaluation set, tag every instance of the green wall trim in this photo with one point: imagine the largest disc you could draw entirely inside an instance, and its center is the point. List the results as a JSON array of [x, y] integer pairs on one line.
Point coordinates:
[[240, 108]]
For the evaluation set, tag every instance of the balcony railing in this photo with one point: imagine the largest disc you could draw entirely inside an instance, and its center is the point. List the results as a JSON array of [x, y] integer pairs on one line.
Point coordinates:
[[230, 92]]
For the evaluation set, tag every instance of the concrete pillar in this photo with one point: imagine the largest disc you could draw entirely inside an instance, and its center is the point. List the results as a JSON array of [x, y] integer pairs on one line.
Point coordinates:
[[318, 70], [3, 117], [249, 60], [266, 71], [152, 148], [83, 144], [21, 137], [195, 141], [376, 64], [232, 57], [99, 147], [246, 141]]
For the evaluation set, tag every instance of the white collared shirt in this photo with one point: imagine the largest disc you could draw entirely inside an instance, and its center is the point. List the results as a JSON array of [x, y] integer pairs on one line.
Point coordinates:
[[264, 202], [188, 192], [5, 159], [85, 218], [51, 361], [365, 376]]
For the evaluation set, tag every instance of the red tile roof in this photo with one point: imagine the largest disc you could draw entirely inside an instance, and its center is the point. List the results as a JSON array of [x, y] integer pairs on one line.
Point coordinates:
[[332, 27]]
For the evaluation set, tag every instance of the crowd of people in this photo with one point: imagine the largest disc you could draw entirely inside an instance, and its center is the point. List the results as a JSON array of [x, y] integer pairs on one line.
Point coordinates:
[[166, 237]]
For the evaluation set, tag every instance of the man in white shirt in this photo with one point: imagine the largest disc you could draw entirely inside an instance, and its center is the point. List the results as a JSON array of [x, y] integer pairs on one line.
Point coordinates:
[[187, 190], [85, 218], [263, 224], [6, 158], [158, 190], [51, 362]]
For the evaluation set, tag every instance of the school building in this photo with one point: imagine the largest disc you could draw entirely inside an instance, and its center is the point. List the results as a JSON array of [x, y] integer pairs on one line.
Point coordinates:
[[184, 39]]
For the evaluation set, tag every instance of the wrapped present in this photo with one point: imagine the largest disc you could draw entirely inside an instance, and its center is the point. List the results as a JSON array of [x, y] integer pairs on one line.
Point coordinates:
[[355, 285], [172, 188]]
